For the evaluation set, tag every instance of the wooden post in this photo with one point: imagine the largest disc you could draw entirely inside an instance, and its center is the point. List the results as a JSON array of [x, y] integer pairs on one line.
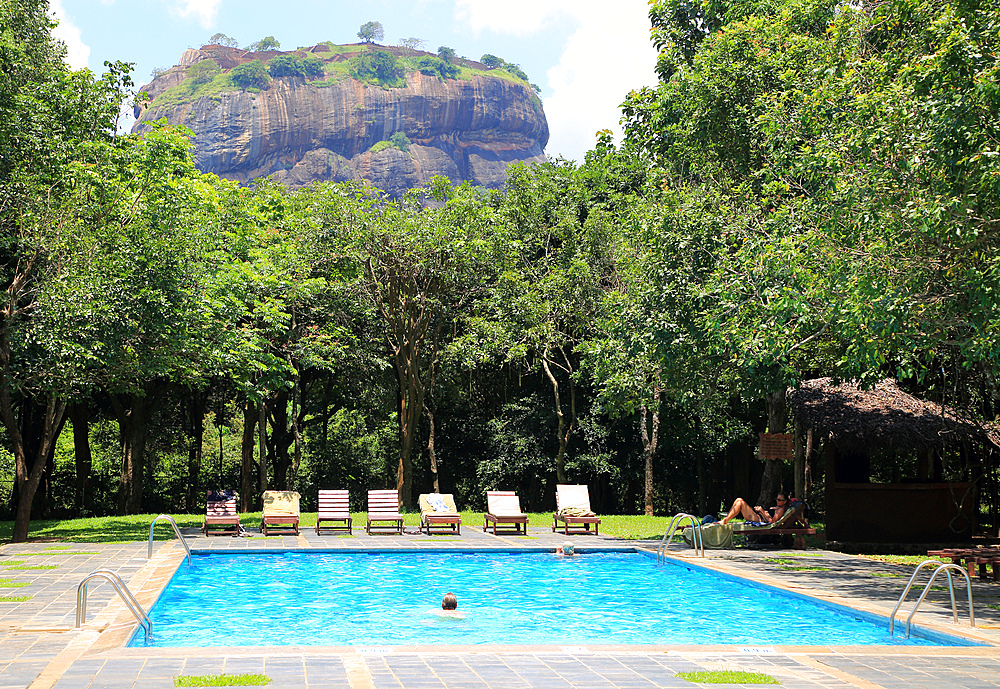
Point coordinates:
[[800, 463]]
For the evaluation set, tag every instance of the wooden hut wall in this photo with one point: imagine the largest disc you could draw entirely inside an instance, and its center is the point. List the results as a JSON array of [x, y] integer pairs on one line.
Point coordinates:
[[894, 512]]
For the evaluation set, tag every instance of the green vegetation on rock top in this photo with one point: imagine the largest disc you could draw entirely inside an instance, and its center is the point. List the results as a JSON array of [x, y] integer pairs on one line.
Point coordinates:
[[373, 64]]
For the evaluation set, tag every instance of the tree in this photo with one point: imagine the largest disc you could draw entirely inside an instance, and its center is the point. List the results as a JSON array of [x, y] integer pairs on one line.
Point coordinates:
[[491, 61], [412, 43], [445, 53], [48, 115], [371, 32], [222, 39], [250, 75], [266, 43]]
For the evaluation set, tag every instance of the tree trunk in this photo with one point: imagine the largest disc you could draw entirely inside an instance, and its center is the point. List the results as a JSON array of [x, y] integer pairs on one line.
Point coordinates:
[[296, 430], [29, 461], [431, 454], [133, 413], [196, 429], [262, 456], [79, 415], [246, 454], [281, 440], [564, 428], [411, 403], [777, 420], [649, 439]]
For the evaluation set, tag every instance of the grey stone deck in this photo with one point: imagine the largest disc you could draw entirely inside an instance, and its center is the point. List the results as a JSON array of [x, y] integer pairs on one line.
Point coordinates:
[[40, 649]]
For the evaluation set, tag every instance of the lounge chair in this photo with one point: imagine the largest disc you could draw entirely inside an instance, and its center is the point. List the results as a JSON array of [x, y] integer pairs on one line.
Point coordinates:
[[281, 512], [438, 511], [792, 523], [383, 506], [503, 510], [334, 506], [573, 509], [220, 511]]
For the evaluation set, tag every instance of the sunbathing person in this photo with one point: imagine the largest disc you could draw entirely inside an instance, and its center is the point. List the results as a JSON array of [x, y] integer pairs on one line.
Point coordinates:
[[758, 516]]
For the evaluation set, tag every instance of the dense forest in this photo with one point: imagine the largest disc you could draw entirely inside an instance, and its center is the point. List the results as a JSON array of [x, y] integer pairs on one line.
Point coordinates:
[[811, 190]]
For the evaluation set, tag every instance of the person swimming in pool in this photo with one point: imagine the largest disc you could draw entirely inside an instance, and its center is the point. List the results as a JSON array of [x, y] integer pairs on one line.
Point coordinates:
[[758, 516], [449, 607], [566, 549]]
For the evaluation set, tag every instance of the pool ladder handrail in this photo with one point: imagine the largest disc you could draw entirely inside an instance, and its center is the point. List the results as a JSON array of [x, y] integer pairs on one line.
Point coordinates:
[[676, 521], [939, 566], [177, 530], [130, 602]]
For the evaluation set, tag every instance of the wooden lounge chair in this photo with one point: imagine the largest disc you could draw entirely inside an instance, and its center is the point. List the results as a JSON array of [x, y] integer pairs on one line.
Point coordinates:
[[220, 514], [573, 509], [447, 520], [792, 523], [281, 512], [503, 510], [334, 506], [971, 558], [383, 506]]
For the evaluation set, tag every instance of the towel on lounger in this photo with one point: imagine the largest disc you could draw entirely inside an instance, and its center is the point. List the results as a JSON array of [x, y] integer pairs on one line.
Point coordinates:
[[575, 512], [437, 502]]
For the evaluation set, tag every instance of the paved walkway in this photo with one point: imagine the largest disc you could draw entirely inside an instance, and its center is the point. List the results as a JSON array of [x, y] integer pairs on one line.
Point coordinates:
[[40, 649]]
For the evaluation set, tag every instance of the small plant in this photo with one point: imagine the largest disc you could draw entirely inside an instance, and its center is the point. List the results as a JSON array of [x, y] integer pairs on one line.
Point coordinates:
[[14, 599], [11, 584], [10, 563], [221, 680], [778, 561], [24, 567], [728, 677], [805, 568]]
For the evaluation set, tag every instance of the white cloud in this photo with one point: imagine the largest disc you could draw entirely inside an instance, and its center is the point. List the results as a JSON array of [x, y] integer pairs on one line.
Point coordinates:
[[204, 11], [608, 55], [77, 52], [517, 17]]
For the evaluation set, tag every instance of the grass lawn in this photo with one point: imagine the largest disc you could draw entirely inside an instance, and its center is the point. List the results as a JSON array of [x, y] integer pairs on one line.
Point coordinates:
[[136, 527]]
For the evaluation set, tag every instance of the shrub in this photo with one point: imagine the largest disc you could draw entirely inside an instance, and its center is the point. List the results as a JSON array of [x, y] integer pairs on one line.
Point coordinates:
[[436, 67], [377, 65], [250, 75], [203, 71], [379, 146], [312, 67], [400, 141]]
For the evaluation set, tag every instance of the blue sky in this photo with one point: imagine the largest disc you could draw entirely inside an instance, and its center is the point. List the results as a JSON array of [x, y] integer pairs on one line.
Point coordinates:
[[586, 55]]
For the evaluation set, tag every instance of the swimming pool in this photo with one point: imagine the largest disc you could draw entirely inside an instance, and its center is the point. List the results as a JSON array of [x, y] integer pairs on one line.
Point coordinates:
[[384, 599]]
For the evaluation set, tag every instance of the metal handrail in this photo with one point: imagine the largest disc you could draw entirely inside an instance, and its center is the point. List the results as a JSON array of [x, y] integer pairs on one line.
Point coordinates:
[[946, 567], [676, 521], [130, 602], [177, 531]]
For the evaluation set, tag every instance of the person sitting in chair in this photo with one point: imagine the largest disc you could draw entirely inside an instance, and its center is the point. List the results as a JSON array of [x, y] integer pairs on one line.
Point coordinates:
[[758, 516]]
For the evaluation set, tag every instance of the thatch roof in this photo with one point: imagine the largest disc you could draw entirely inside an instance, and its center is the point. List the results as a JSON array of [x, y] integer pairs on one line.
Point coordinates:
[[884, 416]]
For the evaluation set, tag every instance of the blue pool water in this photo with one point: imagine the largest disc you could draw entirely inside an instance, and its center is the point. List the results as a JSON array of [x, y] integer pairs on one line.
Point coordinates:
[[381, 599]]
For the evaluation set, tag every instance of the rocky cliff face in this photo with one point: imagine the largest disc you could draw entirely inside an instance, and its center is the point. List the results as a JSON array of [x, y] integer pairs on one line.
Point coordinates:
[[299, 132]]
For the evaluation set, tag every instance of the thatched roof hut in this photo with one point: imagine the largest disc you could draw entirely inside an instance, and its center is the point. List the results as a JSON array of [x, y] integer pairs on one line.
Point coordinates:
[[884, 416], [855, 424]]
